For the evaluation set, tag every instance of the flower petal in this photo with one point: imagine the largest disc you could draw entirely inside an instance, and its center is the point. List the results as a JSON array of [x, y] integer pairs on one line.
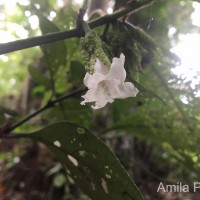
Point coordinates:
[[106, 84], [91, 95], [123, 91], [100, 67], [117, 70], [91, 81], [99, 96]]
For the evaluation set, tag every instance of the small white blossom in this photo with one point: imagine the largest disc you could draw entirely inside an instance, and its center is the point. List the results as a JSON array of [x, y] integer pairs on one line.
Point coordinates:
[[106, 84]]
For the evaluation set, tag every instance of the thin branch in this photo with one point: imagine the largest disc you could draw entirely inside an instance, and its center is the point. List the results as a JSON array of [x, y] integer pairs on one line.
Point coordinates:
[[50, 104], [15, 136], [57, 36], [37, 41]]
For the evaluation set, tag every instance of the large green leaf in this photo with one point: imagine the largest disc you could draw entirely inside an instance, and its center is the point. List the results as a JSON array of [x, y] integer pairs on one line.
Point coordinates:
[[54, 53], [39, 77], [88, 161]]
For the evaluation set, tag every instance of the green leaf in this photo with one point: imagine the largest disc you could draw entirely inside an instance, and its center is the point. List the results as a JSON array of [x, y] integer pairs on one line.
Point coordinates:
[[39, 77], [46, 26], [89, 162], [70, 110], [141, 36], [55, 53], [77, 73]]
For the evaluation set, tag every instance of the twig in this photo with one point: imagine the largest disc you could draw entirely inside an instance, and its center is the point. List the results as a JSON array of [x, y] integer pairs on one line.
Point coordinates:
[[82, 11], [37, 41], [57, 36], [50, 104]]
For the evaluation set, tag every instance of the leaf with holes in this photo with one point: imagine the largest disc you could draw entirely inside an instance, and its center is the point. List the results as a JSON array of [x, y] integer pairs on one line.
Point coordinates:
[[88, 161]]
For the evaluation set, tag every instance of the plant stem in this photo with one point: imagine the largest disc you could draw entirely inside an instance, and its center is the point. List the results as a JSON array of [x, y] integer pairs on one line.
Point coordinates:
[[37, 41], [50, 104], [57, 36]]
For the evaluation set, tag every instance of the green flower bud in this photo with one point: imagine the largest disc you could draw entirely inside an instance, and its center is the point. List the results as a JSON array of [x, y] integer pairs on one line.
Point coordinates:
[[93, 48]]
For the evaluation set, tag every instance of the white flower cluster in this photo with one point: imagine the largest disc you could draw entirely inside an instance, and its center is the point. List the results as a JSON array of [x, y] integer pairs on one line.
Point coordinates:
[[107, 83]]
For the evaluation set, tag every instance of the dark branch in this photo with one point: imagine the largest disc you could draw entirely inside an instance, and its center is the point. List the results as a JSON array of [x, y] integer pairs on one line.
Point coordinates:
[[37, 41], [57, 36], [50, 104]]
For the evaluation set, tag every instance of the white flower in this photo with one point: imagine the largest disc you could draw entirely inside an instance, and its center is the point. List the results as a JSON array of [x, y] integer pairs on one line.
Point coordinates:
[[106, 84]]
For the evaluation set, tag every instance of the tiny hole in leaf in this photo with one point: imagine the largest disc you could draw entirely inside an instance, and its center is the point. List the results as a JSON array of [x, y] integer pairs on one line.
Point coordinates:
[[57, 143], [73, 160], [104, 185], [87, 169], [108, 176]]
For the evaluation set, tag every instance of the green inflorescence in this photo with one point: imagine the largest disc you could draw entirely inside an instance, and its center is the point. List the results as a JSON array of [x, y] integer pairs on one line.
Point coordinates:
[[93, 48]]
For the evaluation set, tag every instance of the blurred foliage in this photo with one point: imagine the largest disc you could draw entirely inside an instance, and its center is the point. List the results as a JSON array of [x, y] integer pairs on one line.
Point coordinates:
[[156, 116]]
